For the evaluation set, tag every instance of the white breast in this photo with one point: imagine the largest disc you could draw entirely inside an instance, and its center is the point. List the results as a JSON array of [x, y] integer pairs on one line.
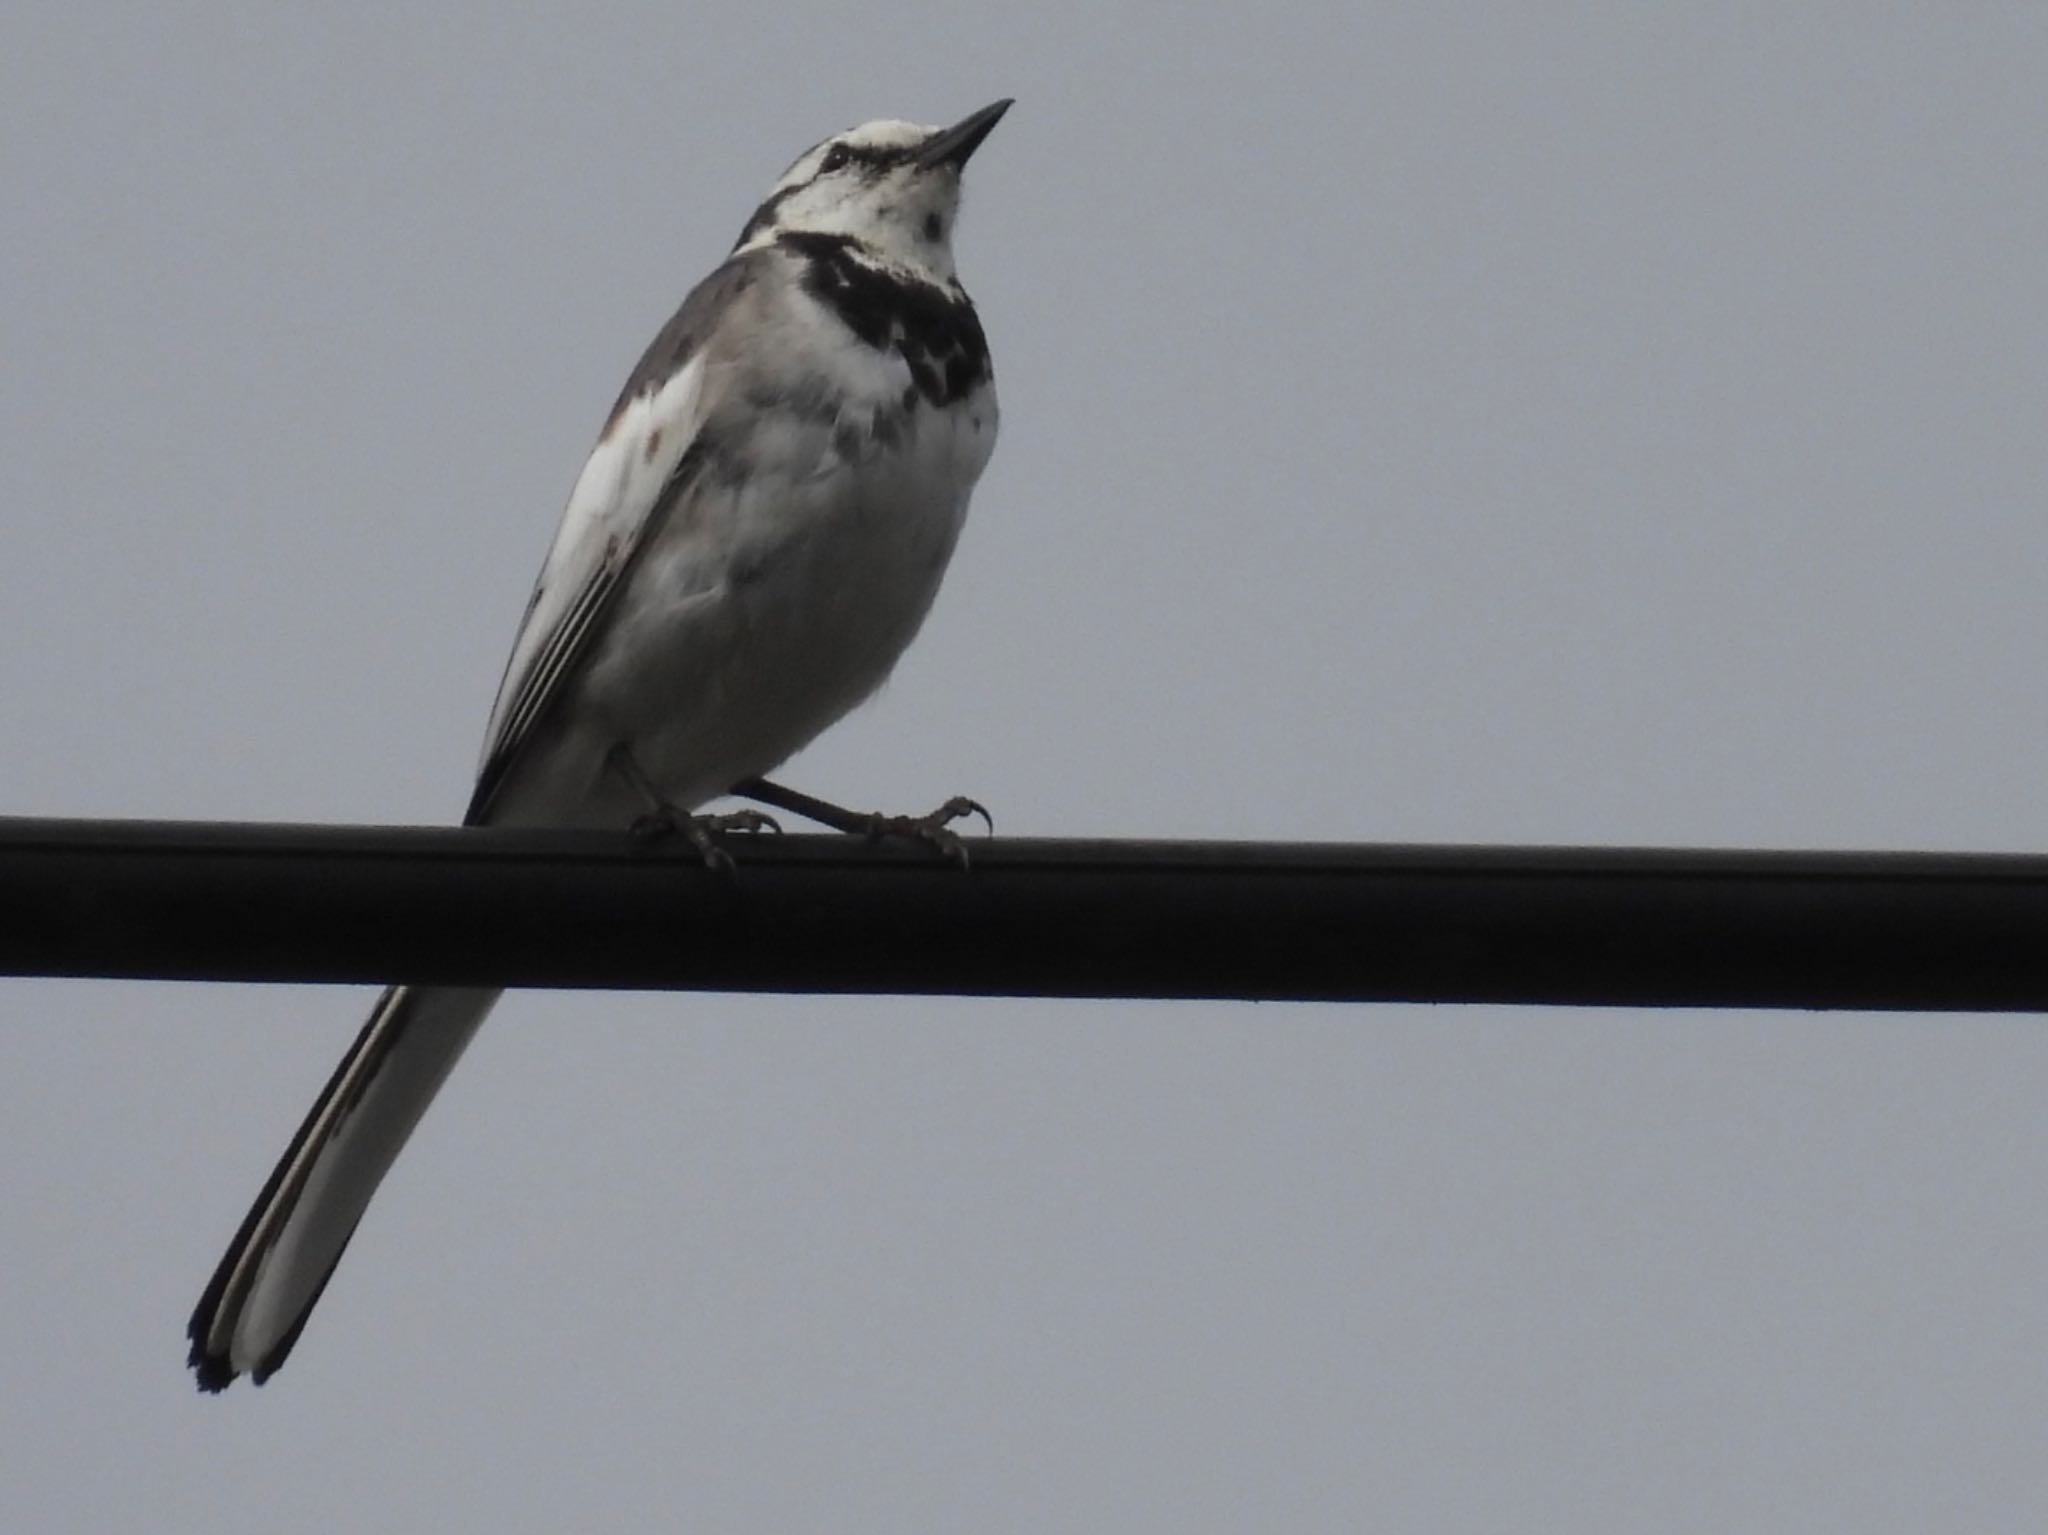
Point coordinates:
[[778, 595]]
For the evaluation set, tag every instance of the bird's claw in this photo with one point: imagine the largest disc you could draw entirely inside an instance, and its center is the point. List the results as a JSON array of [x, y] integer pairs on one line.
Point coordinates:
[[935, 829], [702, 831]]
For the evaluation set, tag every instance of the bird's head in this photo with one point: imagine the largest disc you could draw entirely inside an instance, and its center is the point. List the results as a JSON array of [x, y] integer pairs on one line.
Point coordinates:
[[894, 187]]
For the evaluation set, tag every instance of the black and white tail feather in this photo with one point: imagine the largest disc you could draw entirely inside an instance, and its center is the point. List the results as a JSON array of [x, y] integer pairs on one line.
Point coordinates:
[[279, 1262], [757, 535]]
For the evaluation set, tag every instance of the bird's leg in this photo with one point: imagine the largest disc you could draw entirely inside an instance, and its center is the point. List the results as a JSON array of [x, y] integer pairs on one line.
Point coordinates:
[[933, 830], [663, 819]]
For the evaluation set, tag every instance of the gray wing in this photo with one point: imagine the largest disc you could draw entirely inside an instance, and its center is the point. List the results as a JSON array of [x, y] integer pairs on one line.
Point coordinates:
[[644, 458]]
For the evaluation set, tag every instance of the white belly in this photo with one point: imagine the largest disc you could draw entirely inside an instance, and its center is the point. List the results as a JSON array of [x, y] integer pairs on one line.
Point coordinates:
[[770, 604]]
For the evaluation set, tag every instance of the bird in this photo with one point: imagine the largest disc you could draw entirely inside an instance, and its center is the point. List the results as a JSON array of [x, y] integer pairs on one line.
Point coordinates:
[[755, 538]]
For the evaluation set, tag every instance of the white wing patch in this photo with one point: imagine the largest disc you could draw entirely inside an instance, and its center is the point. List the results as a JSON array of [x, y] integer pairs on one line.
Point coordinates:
[[617, 496]]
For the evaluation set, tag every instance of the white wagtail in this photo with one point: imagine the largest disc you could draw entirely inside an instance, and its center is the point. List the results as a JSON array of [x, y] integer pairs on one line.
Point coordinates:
[[755, 539]]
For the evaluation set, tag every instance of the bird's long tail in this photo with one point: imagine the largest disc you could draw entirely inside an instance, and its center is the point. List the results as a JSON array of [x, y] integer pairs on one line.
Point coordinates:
[[282, 1258]]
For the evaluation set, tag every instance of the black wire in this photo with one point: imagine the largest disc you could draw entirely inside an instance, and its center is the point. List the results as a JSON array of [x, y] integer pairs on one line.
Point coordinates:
[[1583, 926]]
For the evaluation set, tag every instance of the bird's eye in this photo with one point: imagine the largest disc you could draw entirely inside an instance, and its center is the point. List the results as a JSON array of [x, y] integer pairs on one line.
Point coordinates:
[[835, 158]]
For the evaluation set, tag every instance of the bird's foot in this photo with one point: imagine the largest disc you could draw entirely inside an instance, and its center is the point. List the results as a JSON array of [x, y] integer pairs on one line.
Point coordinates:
[[701, 831], [934, 830]]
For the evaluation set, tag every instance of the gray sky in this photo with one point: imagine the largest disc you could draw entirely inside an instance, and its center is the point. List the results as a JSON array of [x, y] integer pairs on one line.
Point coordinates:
[[1601, 424]]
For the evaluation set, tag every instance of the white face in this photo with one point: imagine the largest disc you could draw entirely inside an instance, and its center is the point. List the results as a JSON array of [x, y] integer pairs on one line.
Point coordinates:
[[869, 184]]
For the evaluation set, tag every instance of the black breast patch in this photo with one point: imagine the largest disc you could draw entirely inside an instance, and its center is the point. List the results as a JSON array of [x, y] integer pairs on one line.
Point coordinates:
[[933, 328]]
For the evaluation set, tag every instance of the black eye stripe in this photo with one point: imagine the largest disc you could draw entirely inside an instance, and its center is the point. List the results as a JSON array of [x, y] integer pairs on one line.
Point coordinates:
[[871, 158]]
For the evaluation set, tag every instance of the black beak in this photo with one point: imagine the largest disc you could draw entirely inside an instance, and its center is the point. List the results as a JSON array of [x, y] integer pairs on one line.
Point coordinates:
[[951, 146]]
